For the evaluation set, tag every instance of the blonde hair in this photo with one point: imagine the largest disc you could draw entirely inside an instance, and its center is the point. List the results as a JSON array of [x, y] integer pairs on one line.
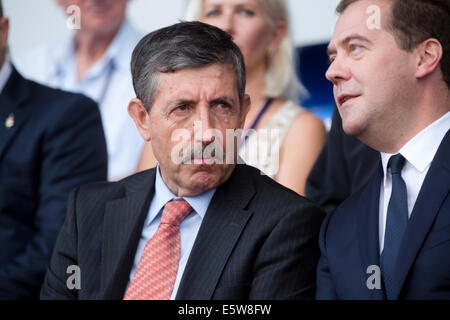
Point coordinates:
[[280, 78]]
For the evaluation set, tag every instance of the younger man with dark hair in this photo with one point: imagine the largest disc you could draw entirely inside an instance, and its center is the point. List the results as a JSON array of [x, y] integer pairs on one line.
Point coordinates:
[[391, 82]]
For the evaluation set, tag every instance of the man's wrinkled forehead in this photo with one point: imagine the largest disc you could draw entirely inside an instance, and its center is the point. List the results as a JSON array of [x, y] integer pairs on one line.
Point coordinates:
[[197, 81]]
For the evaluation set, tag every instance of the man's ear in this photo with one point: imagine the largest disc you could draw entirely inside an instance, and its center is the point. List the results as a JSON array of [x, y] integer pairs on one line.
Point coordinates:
[[141, 118], [429, 55], [245, 108], [4, 30]]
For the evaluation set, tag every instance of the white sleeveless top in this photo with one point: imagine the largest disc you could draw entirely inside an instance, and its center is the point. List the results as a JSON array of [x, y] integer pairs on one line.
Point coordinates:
[[262, 148]]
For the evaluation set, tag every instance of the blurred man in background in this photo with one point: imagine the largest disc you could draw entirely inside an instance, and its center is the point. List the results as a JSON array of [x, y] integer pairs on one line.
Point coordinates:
[[95, 61]]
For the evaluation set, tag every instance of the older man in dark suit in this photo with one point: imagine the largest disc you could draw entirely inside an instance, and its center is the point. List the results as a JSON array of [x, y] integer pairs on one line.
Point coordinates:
[[50, 142], [198, 226]]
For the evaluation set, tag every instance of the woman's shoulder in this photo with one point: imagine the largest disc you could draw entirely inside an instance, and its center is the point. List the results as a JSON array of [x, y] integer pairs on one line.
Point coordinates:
[[305, 122], [283, 108], [286, 112]]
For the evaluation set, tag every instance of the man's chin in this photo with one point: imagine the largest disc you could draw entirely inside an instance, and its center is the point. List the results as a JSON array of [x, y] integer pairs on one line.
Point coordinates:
[[352, 128], [209, 170], [206, 177], [201, 182], [351, 131]]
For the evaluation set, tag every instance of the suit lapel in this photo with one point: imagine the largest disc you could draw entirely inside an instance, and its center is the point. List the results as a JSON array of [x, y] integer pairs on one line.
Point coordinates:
[[14, 94], [122, 228], [434, 191], [368, 236], [222, 225]]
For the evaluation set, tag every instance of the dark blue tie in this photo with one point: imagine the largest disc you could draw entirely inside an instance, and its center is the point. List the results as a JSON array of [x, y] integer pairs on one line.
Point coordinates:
[[396, 221]]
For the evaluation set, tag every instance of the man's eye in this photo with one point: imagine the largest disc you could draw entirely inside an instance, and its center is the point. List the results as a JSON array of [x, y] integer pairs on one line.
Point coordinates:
[[223, 106], [354, 47], [331, 59], [182, 107]]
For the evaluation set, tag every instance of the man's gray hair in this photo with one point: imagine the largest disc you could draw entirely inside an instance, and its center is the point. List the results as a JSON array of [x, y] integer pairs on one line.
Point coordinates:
[[182, 45]]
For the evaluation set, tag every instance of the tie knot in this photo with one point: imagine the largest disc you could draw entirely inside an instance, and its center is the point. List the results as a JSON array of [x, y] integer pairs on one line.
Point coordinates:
[[396, 163], [175, 211]]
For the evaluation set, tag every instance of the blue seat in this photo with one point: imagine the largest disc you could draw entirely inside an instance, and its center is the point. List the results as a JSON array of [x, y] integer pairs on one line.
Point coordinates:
[[312, 64]]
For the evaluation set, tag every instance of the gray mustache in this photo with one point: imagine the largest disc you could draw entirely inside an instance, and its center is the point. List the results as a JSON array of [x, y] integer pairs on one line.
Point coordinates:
[[213, 151]]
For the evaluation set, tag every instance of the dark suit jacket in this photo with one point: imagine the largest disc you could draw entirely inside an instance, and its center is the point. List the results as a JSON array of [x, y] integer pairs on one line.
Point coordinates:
[[258, 240], [55, 144], [350, 244], [344, 166]]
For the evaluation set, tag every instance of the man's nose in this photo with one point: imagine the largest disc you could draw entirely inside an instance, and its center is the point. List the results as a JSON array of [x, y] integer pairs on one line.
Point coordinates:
[[337, 71], [204, 126]]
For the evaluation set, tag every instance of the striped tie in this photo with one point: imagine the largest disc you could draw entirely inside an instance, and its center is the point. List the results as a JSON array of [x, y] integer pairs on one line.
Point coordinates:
[[158, 266]]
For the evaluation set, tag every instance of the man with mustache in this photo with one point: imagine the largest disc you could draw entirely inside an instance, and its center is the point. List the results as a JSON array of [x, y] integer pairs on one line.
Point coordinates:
[[390, 66], [188, 229]]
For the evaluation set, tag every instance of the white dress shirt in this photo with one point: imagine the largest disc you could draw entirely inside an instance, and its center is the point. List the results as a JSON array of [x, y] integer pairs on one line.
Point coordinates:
[[108, 82], [5, 72], [188, 228], [419, 153]]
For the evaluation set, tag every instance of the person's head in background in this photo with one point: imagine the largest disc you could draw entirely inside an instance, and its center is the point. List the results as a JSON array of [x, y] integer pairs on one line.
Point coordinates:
[[98, 17], [261, 30], [100, 22], [390, 81], [4, 28]]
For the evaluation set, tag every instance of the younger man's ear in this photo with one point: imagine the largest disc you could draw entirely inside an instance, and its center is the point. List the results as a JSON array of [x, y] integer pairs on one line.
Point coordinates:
[[429, 55]]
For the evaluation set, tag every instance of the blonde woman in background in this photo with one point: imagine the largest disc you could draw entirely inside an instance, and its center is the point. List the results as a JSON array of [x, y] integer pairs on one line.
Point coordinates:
[[282, 139]]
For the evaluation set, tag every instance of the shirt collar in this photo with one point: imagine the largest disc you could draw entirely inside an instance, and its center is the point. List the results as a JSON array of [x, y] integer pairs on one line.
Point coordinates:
[[420, 150], [5, 72], [199, 203]]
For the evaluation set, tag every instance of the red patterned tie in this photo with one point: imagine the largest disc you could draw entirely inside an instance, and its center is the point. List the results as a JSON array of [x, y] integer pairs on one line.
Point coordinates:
[[158, 266]]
